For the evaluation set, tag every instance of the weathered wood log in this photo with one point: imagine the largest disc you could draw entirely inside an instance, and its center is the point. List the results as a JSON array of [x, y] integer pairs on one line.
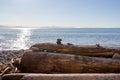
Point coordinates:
[[22, 76], [44, 62], [92, 51], [3, 67], [16, 76]]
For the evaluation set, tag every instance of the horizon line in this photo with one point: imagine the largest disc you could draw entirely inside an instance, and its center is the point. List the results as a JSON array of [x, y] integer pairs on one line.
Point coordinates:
[[3, 26]]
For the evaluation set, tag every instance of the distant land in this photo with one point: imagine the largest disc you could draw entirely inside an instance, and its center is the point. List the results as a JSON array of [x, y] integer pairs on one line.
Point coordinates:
[[3, 26]]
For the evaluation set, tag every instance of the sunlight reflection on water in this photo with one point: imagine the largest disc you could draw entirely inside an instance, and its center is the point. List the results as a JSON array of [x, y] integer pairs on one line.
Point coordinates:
[[23, 38]]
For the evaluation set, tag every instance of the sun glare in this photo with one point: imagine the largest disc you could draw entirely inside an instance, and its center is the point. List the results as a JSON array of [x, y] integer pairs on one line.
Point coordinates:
[[23, 38]]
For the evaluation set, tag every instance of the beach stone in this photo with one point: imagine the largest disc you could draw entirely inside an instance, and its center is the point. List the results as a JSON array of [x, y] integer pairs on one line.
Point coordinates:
[[98, 45], [70, 44], [59, 41], [116, 56]]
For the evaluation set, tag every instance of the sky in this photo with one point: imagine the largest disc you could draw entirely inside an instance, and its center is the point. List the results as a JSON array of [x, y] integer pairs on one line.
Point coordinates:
[[62, 13]]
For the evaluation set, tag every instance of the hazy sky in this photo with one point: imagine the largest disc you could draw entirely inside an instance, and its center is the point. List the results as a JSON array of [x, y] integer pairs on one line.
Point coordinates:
[[67, 13]]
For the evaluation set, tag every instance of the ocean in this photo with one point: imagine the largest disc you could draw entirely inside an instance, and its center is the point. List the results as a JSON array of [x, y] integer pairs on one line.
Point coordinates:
[[23, 38]]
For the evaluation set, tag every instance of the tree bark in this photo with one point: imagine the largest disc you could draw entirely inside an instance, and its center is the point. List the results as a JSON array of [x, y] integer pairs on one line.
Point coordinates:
[[44, 62]]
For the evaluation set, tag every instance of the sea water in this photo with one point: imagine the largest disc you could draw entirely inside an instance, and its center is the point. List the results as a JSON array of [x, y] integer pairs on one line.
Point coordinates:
[[23, 38]]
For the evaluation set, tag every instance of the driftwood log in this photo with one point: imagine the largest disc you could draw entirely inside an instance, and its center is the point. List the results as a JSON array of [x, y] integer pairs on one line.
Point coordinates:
[[44, 62], [92, 51], [22, 76]]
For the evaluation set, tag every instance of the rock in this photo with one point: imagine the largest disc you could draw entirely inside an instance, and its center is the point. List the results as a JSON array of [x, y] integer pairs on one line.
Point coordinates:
[[116, 56], [44, 62], [70, 44], [98, 45], [59, 41]]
